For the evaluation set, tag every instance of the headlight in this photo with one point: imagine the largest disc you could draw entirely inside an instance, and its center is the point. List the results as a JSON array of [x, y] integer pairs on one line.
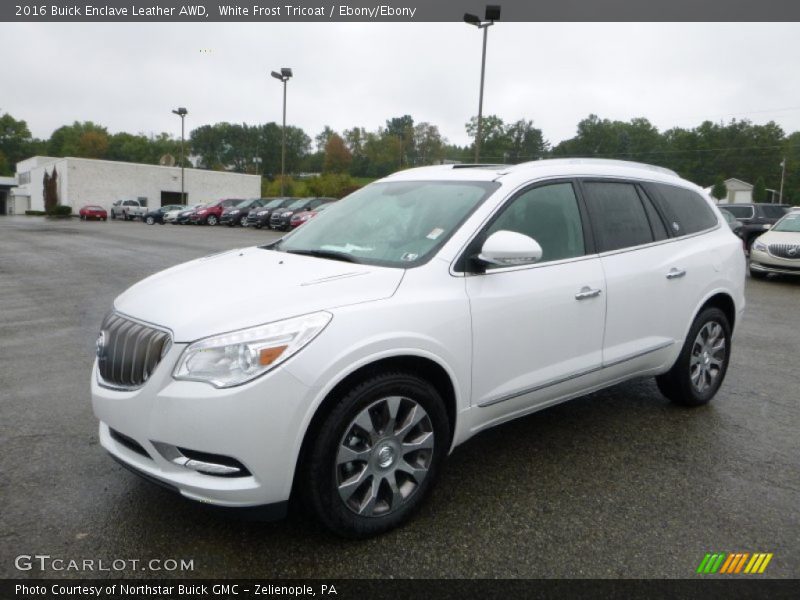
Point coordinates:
[[261, 213], [234, 212], [288, 213], [234, 358], [760, 246], [201, 212]]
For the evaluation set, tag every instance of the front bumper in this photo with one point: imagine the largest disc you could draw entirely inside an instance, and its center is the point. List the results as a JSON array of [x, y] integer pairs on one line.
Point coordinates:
[[763, 262], [227, 219], [278, 222], [257, 424]]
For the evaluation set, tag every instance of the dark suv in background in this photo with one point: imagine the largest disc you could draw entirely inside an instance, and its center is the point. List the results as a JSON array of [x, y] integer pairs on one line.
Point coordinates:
[[755, 218], [280, 219], [259, 217], [237, 214]]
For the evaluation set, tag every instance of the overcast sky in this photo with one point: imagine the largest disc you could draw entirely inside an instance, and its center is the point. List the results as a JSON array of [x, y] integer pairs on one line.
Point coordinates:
[[127, 77]]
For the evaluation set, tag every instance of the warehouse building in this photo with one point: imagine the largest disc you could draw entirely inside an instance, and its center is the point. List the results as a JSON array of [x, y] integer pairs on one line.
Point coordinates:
[[81, 181]]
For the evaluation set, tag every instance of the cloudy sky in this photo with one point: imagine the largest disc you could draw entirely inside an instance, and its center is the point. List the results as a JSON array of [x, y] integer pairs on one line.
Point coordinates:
[[128, 76]]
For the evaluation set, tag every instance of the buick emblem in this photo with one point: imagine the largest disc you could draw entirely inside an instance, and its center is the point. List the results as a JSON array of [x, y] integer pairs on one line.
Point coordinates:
[[100, 344], [792, 251]]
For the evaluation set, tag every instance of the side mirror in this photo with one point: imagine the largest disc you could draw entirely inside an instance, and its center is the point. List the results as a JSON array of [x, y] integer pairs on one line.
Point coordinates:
[[510, 249]]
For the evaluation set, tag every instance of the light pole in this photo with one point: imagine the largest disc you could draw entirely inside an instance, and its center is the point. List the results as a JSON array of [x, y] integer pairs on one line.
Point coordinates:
[[182, 112], [492, 15], [283, 76], [783, 175]]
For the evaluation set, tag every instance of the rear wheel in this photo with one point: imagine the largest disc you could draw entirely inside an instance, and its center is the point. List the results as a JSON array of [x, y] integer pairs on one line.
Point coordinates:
[[701, 366], [377, 455], [243, 221], [150, 220], [211, 220]]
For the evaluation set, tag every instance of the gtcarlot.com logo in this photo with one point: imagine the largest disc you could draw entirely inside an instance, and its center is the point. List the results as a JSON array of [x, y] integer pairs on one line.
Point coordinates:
[[45, 562], [734, 563]]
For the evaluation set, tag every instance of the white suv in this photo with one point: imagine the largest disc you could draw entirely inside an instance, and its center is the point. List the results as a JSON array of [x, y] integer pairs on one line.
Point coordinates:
[[346, 360]]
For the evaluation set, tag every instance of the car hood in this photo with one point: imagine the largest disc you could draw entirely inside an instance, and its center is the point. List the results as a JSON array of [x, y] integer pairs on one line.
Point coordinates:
[[250, 286], [780, 237]]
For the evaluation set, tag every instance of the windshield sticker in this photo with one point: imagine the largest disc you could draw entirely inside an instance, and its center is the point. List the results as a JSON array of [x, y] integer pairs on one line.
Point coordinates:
[[435, 233], [409, 256]]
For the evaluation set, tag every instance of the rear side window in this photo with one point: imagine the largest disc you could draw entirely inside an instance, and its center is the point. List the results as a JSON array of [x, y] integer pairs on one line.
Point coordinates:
[[740, 212], [773, 212], [686, 211], [618, 216]]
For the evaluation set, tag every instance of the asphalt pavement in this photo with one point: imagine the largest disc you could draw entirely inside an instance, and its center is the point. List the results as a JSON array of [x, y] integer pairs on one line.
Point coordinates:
[[619, 483]]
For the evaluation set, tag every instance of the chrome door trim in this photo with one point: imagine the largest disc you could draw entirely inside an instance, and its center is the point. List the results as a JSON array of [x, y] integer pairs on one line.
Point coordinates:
[[575, 375]]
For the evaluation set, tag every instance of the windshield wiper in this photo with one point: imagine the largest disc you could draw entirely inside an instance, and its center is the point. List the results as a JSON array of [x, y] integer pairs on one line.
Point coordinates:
[[332, 254]]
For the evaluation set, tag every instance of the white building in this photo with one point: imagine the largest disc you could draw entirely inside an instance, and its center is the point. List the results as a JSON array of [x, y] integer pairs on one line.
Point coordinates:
[[84, 181]]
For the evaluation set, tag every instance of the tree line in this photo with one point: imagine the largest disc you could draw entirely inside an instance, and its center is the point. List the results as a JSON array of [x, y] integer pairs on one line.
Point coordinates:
[[705, 154]]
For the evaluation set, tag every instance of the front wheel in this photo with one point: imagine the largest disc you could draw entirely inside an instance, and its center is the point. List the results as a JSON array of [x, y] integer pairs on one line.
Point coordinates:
[[150, 220], [701, 366], [211, 220], [377, 455], [243, 222]]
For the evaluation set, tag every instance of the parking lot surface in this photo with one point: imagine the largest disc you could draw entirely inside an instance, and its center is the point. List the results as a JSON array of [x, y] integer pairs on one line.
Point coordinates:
[[619, 483]]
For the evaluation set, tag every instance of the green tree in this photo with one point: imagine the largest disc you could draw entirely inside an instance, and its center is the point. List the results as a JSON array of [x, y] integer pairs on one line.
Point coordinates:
[[525, 142], [760, 190], [15, 143], [720, 190], [428, 143], [93, 144], [66, 140]]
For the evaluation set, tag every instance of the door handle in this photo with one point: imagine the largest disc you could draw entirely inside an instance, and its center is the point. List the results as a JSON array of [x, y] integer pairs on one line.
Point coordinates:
[[676, 273], [587, 292]]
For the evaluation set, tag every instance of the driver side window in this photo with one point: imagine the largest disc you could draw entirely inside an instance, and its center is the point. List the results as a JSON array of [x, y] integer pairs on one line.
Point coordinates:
[[550, 215]]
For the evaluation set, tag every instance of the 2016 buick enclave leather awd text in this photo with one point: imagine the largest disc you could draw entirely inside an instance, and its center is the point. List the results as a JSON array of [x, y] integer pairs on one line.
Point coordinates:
[[405, 319]]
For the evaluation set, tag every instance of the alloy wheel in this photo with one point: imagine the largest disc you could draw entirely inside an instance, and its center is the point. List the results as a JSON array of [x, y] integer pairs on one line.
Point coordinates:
[[384, 456], [708, 356]]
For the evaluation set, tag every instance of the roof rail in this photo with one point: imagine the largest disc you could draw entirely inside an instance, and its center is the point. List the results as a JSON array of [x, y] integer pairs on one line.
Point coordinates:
[[478, 165], [603, 161]]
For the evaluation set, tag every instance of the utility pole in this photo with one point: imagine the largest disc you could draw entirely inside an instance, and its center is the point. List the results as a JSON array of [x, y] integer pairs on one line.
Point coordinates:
[[182, 112], [492, 15], [283, 76], [783, 176]]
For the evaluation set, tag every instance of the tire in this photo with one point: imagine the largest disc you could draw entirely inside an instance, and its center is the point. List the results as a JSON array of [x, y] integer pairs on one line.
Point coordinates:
[[258, 225], [708, 363], [757, 274], [339, 443], [150, 221], [113, 216], [243, 222], [211, 220], [83, 218]]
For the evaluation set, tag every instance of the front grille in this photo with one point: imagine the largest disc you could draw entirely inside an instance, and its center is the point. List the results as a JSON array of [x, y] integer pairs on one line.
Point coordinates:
[[790, 251], [128, 352]]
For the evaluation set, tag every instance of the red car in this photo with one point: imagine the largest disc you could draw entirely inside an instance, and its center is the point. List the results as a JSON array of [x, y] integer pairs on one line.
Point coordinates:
[[211, 213], [92, 211], [301, 217]]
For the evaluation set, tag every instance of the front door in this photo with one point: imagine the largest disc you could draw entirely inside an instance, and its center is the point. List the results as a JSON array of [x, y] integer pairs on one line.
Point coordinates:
[[538, 328]]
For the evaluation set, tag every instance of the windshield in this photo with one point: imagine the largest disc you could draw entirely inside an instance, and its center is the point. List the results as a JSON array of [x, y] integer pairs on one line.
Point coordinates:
[[790, 223], [297, 204], [395, 224]]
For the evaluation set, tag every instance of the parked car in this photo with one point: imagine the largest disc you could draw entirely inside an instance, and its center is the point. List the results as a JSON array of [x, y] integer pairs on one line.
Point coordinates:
[[733, 222], [211, 213], [92, 211], [171, 216], [280, 219], [777, 250], [237, 215], [411, 315], [128, 209], [306, 215], [158, 215], [259, 217], [755, 218], [183, 216]]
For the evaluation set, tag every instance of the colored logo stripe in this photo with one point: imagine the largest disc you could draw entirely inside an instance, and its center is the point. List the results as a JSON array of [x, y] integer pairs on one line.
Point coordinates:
[[734, 563]]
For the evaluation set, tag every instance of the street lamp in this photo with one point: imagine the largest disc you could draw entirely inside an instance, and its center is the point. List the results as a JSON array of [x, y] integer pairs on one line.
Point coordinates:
[[182, 112], [283, 76], [492, 15]]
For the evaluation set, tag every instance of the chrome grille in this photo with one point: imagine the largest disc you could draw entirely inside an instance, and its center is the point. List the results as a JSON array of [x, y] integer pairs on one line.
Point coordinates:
[[791, 251], [128, 351]]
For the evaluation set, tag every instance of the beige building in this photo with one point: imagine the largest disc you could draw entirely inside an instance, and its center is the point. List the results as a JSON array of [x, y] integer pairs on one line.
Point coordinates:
[[84, 181]]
